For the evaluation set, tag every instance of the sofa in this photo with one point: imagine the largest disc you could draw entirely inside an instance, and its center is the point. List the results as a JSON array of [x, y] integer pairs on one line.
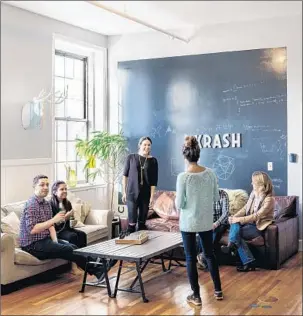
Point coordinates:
[[17, 265], [281, 238]]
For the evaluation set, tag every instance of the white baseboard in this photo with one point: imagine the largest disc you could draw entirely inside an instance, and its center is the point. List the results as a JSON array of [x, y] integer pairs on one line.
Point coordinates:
[[300, 244], [26, 162]]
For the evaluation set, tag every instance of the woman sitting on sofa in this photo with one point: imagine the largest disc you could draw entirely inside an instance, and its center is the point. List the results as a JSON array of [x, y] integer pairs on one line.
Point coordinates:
[[251, 221], [64, 231]]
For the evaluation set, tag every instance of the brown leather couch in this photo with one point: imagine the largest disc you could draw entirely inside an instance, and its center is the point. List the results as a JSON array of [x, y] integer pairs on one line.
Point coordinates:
[[281, 238]]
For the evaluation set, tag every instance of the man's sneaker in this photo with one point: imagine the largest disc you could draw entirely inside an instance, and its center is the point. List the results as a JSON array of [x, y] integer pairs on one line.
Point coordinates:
[[201, 262], [194, 300], [218, 295], [99, 273]]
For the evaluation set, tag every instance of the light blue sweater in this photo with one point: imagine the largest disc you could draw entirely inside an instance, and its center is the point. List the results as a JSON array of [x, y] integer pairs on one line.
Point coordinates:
[[195, 197]]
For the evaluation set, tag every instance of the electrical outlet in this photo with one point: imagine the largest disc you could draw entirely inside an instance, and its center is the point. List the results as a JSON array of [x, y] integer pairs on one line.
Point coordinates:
[[269, 166]]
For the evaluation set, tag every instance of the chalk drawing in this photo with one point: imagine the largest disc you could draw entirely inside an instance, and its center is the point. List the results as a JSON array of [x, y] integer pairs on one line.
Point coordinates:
[[279, 147], [224, 167], [156, 131], [174, 168]]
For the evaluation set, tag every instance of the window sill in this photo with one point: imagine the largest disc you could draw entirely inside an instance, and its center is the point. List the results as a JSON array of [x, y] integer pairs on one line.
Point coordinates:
[[86, 186]]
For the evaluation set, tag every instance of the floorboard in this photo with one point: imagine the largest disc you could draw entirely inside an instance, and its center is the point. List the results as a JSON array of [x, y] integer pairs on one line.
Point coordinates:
[[261, 292]]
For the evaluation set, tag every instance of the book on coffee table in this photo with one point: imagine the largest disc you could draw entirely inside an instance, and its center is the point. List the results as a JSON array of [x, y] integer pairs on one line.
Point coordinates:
[[137, 238]]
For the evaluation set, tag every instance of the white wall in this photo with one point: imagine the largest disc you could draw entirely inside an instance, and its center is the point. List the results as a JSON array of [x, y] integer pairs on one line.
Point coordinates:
[[26, 69], [228, 37]]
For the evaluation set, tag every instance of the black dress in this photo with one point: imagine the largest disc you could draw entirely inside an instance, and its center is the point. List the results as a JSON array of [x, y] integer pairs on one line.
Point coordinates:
[[64, 231], [142, 174]]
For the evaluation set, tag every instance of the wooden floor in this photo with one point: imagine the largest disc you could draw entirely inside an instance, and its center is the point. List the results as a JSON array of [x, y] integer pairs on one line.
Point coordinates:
[[255, 293]]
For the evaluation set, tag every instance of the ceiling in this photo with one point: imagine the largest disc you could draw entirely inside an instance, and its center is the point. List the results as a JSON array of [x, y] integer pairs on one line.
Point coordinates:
[[185, 17]]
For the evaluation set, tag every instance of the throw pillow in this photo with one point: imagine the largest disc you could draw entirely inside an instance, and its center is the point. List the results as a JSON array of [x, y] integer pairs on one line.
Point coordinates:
[[287, 211], [77, 208], [165, 206], [237, 199], [10, 224], [86, 207]]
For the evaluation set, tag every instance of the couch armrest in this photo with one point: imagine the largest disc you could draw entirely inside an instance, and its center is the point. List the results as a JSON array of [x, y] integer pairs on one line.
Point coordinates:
[[288, 238], [7, 256], [271, 244], [282, 240], [101, 217]]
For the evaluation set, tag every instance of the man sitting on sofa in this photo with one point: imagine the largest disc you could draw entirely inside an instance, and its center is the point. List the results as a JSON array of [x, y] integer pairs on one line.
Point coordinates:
[[38, 235], [220, 225]]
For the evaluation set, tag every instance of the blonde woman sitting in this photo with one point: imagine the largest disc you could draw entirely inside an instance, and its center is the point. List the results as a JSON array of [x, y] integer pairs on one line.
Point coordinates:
[[251, 221]]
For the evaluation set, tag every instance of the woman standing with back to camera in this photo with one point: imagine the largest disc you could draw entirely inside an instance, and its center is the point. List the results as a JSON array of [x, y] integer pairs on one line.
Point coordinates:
[[140, 178], [197, 190]]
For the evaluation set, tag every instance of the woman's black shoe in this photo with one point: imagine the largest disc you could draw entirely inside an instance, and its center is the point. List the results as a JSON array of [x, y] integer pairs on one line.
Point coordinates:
[[246, 268], [231, 248], [131, 229], [142, 226]]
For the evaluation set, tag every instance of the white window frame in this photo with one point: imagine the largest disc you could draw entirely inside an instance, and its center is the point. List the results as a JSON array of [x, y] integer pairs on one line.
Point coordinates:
[[96, 87], [67, 119]]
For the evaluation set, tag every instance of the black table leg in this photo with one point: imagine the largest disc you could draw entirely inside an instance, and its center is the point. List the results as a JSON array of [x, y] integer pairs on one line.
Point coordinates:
[[141, 270], [162, 263], [117, 280], [84, 279], [106, 277], [145, 300], [170, 259]]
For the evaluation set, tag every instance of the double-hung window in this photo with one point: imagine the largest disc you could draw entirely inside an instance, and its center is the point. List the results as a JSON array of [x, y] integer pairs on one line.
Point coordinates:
[[71, 116]]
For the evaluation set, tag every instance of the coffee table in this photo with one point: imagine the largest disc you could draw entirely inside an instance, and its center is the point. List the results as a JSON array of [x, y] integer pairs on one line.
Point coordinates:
[[157, 244]]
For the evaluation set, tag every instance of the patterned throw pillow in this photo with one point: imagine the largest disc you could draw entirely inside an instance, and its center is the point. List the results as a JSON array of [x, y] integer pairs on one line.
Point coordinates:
[[10, 224], [237, 199], [86, 207], [77, 208], [165, 206]]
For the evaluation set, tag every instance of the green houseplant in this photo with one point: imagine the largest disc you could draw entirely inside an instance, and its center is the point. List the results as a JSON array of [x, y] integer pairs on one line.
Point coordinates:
[[105, 155]]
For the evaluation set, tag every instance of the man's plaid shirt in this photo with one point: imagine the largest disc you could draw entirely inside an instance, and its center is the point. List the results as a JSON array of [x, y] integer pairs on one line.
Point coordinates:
[[36, 211], [221, 209]]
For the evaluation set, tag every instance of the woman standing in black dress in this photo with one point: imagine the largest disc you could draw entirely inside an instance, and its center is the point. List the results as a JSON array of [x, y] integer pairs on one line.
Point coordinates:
[[140, 178]]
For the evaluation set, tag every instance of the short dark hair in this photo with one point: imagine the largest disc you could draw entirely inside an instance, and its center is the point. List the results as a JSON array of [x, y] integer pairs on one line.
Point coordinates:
[[142, 139], [191, 149], [37, 178]]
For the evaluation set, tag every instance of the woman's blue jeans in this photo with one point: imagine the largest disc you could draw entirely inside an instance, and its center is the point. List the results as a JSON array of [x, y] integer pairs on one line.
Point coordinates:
[[189, 241], [238, 234]]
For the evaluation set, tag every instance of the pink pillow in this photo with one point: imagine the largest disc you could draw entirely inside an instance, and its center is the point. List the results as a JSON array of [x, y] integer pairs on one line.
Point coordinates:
[[165, 206]]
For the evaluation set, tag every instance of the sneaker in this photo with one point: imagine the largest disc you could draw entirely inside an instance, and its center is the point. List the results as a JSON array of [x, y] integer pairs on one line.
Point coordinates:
[[218, 295], [194, 300], [201, 263]]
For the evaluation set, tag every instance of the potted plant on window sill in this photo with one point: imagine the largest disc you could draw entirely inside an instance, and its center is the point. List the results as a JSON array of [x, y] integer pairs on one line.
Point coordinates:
[[105, 156]]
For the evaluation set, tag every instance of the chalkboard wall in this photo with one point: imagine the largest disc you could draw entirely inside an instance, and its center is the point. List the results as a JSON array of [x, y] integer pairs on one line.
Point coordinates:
[[242, 93]]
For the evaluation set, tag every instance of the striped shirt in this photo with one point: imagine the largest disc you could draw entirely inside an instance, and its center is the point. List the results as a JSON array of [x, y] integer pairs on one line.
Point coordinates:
[[36, 210]]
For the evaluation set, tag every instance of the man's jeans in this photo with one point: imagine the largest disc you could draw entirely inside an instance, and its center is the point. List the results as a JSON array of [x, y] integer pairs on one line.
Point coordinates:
[[238, 234], [189, 241], [47, 249]]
